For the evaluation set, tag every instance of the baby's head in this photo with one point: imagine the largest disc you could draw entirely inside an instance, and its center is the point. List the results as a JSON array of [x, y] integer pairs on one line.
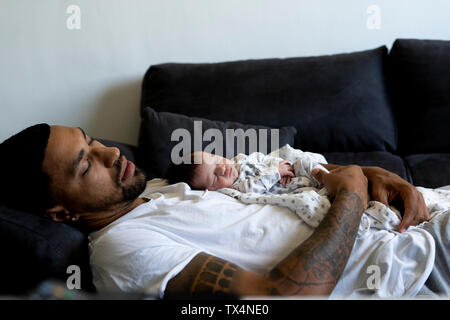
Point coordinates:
[[205, 172]]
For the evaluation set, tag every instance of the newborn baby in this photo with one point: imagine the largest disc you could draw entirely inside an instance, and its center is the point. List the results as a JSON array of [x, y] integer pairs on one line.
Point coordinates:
[[266, 179], [257, 173]]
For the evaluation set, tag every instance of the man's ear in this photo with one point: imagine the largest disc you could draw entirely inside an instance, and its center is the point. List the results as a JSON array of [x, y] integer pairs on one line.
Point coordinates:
[[57, 213]]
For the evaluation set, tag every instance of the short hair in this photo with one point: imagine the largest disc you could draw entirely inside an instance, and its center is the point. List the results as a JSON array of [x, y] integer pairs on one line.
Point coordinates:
[[183, 172], [24, 185]]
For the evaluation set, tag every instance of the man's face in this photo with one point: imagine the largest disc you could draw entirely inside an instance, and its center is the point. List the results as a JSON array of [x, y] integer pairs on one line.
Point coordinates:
[[85, 176]]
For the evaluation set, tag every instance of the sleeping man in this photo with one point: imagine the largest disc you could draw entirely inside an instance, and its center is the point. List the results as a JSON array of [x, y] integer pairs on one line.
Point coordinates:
[[171, 241]]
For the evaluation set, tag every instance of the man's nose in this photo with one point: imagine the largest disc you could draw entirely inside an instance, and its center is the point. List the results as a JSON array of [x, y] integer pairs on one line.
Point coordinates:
[[107, 155]]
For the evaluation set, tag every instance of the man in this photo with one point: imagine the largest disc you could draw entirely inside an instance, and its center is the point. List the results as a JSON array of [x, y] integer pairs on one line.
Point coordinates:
[[74, 178]]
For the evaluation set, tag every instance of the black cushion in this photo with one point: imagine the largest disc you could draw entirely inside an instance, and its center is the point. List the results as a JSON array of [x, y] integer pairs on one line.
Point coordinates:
[[336, 103], [381, 159], [421, 92], [155, 145], [34, 249], [429, 170]]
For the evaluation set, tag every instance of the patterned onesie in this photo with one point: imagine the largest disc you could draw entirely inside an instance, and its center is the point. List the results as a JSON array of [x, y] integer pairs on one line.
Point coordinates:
[[259, 175]]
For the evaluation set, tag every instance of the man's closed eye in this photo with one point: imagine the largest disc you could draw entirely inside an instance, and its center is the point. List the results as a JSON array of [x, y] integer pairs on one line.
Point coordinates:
[[88, 167], [88, 161]]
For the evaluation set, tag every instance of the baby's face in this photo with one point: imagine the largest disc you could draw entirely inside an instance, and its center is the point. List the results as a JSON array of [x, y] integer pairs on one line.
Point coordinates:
[[214, 172]]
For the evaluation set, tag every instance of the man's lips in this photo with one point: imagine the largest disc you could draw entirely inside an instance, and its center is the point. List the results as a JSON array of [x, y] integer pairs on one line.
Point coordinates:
[[128, 169]]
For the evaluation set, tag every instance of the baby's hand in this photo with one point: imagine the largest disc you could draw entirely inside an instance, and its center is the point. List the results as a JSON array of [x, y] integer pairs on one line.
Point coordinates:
[[286, 172]]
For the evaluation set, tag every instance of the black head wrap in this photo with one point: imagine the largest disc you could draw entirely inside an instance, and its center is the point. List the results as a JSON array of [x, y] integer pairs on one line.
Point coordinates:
[[23, 183]]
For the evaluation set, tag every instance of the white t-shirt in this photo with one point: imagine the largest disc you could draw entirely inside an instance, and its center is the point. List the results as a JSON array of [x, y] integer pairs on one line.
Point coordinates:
[[144, 249]]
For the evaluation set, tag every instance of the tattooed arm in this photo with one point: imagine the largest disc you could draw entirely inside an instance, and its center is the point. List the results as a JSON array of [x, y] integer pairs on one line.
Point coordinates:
[[313, 268]]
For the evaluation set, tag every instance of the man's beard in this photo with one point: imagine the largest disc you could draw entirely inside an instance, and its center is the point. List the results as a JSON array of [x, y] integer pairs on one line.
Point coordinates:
[[129, 193]]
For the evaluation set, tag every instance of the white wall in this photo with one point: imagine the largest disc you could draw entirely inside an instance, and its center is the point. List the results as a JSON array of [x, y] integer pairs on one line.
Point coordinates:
[[91, 77]]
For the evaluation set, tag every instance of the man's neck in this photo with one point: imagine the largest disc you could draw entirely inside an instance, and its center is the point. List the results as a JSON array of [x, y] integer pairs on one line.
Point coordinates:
[[98, 220]]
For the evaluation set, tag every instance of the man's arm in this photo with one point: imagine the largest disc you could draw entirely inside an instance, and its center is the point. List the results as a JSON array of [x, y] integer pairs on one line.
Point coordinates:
[[313, 268], [387, 187]]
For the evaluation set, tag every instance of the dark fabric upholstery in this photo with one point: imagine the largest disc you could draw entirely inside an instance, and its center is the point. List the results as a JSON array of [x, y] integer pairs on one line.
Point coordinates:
[[337, 102], [429, 170], [420, 88], [381, 159], [155, 143], [34, 249]]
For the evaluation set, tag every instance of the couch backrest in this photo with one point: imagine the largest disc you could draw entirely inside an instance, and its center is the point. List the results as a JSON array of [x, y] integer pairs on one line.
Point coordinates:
[[336, 103], [420, 86]]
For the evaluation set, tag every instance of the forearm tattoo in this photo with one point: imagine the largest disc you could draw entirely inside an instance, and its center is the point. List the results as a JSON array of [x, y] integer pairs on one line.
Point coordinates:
[[314, 266], [318, 263], [214, 278]]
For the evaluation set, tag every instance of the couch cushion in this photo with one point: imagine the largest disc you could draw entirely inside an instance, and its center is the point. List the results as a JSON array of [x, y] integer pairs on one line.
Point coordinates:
[[421, 94], [155, 145], [381, 159], [337, 102], [34, 249], [429, 170]]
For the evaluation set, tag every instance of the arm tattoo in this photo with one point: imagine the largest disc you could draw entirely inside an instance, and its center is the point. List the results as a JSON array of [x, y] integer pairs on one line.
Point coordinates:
[[214, 278], [312, 268], [319, 261]]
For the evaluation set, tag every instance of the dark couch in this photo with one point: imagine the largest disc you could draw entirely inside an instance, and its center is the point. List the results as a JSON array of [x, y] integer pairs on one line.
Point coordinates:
[[375, 107]]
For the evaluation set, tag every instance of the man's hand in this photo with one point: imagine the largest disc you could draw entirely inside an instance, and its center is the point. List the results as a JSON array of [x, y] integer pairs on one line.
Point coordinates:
[[286, 172], [388, 187], [349, 178]]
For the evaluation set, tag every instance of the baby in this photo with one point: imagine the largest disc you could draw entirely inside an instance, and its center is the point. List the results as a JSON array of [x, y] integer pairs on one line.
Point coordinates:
[[256, 173], [265, 179]]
